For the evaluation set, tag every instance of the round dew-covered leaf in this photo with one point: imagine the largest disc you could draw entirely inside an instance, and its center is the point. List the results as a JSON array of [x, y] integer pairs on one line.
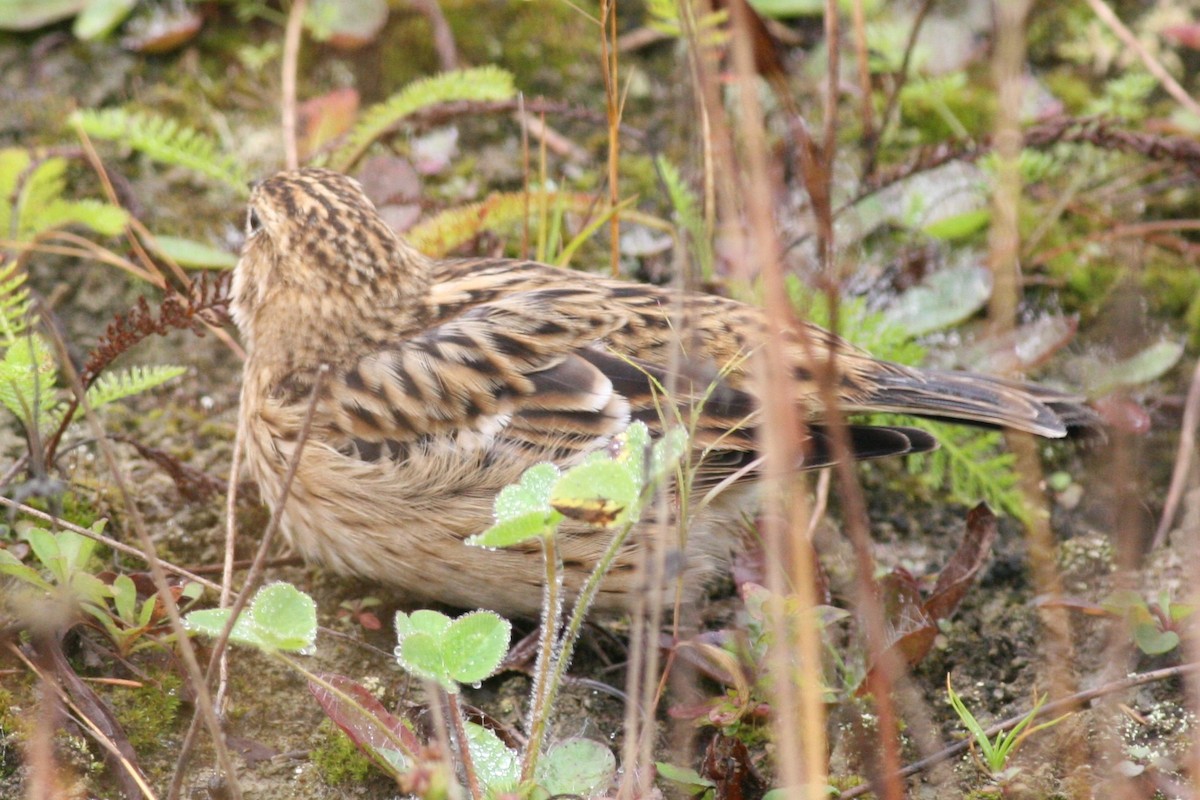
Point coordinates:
[[496, 766], [515, 530], [420, 653], [285, 617], [579, 767], [598, 493], [531, 495], [475, 645]]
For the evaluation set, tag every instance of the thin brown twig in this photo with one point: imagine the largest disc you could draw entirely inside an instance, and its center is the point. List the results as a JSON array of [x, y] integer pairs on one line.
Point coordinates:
[[1183, 461], [256, 569], [107, 541], [132, 226], [135, 774], [291, 57], [893, 98], [1152, 64], [442, 35], [862, 58], [157, 571]]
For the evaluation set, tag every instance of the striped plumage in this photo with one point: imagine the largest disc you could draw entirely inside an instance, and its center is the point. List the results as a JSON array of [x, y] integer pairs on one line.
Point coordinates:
[[448, 379]]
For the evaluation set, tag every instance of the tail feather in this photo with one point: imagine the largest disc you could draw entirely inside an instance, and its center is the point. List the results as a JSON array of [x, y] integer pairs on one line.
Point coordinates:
[[979, 400]]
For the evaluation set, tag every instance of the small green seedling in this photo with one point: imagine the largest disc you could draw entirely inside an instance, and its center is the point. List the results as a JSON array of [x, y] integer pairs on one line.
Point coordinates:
[[280, 618], [996, 752], [450, 652], [609, 491], [1155, 626]]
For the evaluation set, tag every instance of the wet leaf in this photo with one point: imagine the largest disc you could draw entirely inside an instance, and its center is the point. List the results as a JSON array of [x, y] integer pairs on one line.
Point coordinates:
[[597, 493], [1151, 363], [943, 299], [959, 226], [26, 15], [577, 767], [474, 645], [496, 766], [364, 719], [280, 617], [100, 17]]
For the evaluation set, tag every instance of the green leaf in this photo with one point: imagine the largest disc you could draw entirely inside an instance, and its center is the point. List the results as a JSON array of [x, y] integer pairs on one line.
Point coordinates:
[[496, 766], [100, 17], [27, 377], [124, 596], [943, 299], [11, 565], [280, 617], [1149, 364], [683, 775], [523, 510], [959, 226], [1152, 640], [577, 766], [192, 254], [26, 15], [286, 617], [599, 493], [517, 529], [474, 646], [420, 653], [466, 650], [40, 206], [424, 620], [788, 8], [15, 307]]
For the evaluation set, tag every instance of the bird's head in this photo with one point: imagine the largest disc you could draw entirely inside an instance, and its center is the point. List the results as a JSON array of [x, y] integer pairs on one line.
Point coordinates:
[[315, 243]]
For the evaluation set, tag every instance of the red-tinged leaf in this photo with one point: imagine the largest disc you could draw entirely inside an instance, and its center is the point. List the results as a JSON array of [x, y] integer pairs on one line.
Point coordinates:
[[369, 621], [364, 719], [901, 593], [1187, 35], [958, 575], [727, 764], [1122, 414], [322, 119], [167, 27]]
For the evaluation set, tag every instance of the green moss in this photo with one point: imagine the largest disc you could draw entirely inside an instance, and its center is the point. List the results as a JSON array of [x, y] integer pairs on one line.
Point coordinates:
[[337, 758], [148, 713]]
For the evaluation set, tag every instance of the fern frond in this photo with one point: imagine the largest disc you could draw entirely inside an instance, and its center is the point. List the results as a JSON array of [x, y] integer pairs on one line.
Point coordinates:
[[480, 84], [15, 306], [103, 218], [27, 377], [113, 386], [31, 200], [972, 465], [165, 140], [688, 214]]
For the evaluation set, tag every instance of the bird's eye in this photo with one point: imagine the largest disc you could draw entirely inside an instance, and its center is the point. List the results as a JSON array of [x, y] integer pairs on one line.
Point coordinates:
[[253, 223]]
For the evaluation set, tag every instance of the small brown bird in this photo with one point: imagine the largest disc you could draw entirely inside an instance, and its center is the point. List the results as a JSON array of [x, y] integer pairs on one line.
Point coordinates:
[[446, 380]]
